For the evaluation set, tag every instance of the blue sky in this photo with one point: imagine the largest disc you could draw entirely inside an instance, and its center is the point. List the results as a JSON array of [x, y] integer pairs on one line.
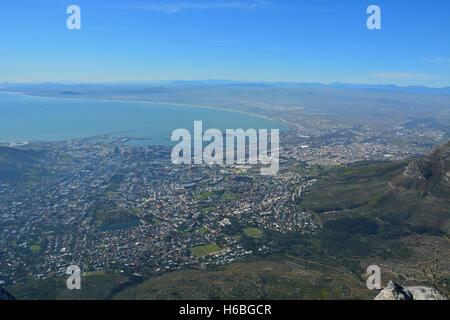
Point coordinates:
[[254, 40]]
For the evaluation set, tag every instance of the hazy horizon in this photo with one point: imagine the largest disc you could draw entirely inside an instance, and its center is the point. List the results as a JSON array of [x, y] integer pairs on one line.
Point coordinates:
[[217, 81], [243, 40]]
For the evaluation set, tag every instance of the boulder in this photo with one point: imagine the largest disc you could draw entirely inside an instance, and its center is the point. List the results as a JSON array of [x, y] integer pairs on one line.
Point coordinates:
[[394, 291]]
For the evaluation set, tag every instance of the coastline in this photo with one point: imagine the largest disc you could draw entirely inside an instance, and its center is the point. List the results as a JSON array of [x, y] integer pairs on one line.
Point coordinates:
[[151, 102]]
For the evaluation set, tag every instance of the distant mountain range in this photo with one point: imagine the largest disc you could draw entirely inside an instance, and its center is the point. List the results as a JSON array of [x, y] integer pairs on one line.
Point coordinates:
[[218, 82]]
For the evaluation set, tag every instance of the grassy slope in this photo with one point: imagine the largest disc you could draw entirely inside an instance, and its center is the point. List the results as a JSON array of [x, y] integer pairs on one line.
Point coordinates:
[[376, 191], [275, 277], [95, 287], [19, 166]]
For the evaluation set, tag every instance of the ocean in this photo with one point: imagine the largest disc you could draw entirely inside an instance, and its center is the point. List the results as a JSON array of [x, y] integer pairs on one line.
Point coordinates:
[[24, 118]]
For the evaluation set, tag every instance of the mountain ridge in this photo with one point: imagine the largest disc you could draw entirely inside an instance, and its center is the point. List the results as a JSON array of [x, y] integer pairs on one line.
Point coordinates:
[[430, 173]]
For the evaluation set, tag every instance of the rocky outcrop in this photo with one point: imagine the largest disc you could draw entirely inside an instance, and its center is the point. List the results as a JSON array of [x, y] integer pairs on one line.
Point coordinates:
[[394, 291], [413, 171], [430, 173]]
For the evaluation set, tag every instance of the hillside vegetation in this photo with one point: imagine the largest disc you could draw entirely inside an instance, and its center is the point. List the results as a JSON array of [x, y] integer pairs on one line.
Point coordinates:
[[19, 166]]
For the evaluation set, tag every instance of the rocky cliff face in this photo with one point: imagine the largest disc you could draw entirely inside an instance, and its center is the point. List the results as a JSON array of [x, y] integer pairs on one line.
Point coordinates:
[[413, 171], [430, 173], [394, 291]]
